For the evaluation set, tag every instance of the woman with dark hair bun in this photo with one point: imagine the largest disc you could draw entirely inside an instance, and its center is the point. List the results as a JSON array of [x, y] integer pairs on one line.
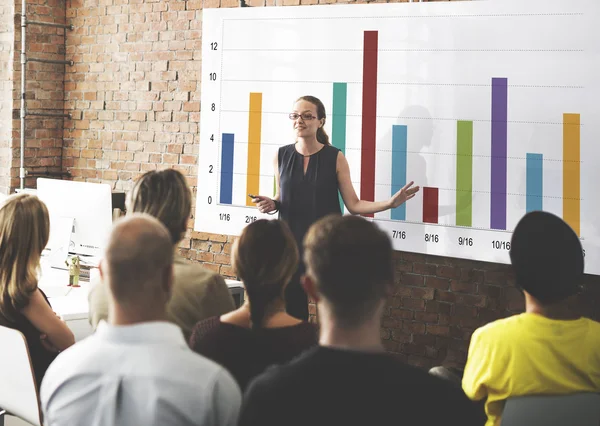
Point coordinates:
[[260, 333], [310, 173]]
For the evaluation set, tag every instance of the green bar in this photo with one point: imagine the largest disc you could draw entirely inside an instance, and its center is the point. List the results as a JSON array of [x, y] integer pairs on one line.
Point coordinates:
[[464, 173], [338, 122]]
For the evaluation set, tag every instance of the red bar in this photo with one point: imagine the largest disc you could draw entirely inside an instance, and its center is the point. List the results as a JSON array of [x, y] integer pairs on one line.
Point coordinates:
[[430, 205], [369, 117]]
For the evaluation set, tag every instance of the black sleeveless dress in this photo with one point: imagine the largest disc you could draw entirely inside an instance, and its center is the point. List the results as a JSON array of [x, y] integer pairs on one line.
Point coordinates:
[[305, 198], [40, 357]]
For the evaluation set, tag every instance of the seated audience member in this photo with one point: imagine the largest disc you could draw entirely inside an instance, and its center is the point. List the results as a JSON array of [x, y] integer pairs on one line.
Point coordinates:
[[24, 232], [137, 369], [548, 349], [260, 333], [197, 292], [349, 379]]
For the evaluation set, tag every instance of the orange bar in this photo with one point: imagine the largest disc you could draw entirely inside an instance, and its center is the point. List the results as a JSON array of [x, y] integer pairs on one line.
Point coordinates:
[[572, 171], [254, 126]]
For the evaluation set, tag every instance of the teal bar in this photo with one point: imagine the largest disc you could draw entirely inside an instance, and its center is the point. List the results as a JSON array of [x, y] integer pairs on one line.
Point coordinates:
[[338, 121], [535, 182], [399, 145]]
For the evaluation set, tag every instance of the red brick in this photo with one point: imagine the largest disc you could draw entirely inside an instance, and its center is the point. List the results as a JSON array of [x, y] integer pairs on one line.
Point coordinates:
[[222, 259], [462, 287], [402, 291], [401, 314], [423, 293], [470, 300], [464, 311], [404, 266], [445, 296], [424, 269], [439, 283], [413, 327], [489, 290], [413, 304], [437, 307], [448, 272], [412, 280], [388, 322], [400, 336], [438, 330], [426, 317]]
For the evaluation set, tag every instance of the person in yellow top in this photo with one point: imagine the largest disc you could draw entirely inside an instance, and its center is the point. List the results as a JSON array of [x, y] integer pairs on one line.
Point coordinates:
[[548, 349]]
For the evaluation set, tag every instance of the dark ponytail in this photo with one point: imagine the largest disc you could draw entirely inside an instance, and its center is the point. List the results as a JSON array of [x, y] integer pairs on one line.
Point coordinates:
[[259, 300], [265, 258], [322, 136]]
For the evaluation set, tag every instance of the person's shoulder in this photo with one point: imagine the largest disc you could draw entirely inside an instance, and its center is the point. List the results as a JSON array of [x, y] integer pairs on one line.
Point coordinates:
[[204, 330], [74, 360], [189, 273], [197, 365], [277, 378], [332, 149], [498, 328]]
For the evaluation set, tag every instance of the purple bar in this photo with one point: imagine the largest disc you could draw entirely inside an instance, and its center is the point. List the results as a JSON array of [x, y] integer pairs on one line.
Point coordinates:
[[499, 119]]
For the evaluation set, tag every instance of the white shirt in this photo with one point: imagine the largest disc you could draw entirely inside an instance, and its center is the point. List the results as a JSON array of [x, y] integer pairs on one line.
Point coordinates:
[[142, 374]]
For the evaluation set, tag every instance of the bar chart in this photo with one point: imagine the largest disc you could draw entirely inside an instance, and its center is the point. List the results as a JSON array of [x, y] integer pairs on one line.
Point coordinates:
[[491, 120]]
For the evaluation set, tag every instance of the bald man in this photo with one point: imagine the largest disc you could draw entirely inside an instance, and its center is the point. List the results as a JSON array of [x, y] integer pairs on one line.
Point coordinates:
[[137, 369]]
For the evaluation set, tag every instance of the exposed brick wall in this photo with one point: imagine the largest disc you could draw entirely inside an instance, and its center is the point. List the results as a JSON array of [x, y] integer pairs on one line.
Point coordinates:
[[7, 12], [45, 89], [134, 93], [44, 92]]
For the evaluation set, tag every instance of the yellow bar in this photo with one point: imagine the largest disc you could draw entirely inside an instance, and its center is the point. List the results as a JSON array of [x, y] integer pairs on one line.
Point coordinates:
[[571, 171], [254, 126]]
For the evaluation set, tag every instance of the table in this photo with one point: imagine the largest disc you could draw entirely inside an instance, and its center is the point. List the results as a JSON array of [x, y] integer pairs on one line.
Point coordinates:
[[71, 304]]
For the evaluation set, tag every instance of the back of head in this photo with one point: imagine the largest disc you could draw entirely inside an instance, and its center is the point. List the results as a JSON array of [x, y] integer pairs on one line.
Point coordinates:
[[24, 232], [165, 195], [138, 261], [547, 257], [350, 260], [265, 258]]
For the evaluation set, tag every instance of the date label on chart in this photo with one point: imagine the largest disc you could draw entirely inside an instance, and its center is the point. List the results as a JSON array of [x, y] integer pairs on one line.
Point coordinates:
[[465, 241], [501, 245], [398, 235], [432, 238]]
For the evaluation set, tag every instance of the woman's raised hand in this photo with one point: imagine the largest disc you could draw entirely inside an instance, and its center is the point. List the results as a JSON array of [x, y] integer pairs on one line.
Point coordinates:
[[405, 194]]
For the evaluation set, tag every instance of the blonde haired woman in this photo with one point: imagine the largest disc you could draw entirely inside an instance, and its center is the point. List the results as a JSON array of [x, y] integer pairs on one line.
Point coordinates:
[[24, 232]]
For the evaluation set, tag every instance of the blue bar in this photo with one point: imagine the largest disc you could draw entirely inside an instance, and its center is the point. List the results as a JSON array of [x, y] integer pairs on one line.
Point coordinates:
[[399, 144], [226, 168], [535, 184]]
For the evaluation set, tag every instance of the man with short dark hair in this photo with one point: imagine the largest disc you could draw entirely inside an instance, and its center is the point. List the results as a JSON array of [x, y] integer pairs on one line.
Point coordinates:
[[137, 369], [349, 379], [549, 349]]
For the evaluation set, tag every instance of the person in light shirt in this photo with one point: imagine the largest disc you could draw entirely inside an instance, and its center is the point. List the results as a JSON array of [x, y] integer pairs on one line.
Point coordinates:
[[549, 349], [137, 369]]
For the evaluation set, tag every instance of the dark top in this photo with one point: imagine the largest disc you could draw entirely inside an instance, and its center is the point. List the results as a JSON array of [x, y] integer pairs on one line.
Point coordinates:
[[328, 386], [40, 357], [308, 197], [304, 199], [247, 353]]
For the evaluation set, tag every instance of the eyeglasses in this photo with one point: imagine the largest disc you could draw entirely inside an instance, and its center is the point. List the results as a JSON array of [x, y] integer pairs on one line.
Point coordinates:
[[307, 116]]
